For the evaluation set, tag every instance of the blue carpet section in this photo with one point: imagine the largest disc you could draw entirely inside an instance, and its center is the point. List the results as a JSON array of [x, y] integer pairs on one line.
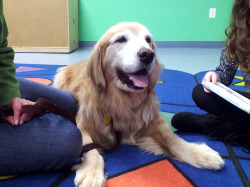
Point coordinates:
[[31, 180], [246, 167], [174, 93], [228, 176], [39, 71], [122, 159], [225, 177]]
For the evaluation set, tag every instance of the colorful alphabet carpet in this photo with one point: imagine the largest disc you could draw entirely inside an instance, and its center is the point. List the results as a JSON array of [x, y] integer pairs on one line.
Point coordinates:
[[131, 167]]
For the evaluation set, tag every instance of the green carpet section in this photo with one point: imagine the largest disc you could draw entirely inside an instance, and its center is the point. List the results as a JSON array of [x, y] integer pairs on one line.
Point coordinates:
[[168, 117]]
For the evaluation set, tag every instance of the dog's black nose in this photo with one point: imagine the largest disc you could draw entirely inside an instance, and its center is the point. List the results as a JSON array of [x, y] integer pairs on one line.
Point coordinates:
[[146, 56]]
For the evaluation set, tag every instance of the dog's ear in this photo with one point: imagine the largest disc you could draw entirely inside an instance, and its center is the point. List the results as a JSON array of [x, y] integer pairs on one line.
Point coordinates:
[[94, 66], [154, 77]]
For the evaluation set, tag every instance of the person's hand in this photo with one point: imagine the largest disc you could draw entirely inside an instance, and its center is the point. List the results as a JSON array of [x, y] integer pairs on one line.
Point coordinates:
[[18, 118], [210, 77]]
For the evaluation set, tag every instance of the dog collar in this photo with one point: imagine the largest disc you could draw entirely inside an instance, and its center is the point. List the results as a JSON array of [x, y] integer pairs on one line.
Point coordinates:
[[148, 91]]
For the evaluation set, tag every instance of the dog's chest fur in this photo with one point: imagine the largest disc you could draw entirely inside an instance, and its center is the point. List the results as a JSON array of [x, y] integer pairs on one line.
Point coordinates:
[[129, 112]]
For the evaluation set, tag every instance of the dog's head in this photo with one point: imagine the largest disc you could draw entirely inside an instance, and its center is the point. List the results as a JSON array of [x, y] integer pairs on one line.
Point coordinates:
[[125, 57]]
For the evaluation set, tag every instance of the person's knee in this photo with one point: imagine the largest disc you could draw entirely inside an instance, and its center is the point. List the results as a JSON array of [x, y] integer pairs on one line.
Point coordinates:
[[67, 148], [45, 145], [65, 138], [72, 146], [197, 94]]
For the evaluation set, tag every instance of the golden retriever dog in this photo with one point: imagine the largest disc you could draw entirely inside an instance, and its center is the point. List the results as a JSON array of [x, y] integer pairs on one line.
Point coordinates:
[[118, 80]]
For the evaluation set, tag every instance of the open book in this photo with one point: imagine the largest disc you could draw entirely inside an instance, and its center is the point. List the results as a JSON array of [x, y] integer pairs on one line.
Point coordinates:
[[230, 95]]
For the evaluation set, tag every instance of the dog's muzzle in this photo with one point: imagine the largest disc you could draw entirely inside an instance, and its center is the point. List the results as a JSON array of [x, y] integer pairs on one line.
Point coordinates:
[[136, 81], [139, 79]]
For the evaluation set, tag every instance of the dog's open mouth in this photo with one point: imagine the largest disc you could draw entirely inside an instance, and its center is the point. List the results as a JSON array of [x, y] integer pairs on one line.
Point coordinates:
[[136, 81]]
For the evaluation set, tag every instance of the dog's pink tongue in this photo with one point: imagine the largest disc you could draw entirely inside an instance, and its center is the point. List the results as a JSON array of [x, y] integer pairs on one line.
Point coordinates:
[[139, 81]]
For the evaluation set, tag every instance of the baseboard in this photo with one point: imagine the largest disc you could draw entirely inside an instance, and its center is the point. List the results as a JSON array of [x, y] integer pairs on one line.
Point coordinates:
[[187, 44], [176, 44], [87, 43]]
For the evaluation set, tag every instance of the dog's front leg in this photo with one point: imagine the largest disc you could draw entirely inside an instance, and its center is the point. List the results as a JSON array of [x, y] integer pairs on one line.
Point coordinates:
[[198, 155], [90, 173]]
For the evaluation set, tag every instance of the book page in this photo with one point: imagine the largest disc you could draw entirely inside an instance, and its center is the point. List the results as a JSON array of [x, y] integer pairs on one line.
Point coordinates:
[[234, 93], [229, 94]]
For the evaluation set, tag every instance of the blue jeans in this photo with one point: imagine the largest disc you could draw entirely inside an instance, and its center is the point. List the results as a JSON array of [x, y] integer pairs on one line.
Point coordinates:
[[47, 142]]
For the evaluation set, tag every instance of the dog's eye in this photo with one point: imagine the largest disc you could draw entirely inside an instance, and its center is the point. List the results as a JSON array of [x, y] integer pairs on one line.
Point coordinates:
[[121, 40], [148, 39]]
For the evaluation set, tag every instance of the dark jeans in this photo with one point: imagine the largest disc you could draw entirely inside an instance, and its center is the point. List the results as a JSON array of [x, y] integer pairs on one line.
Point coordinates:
[[47, 142], [216, 105]]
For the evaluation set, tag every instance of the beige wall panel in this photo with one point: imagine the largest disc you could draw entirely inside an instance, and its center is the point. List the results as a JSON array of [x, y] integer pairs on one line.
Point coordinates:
[[39, 25]]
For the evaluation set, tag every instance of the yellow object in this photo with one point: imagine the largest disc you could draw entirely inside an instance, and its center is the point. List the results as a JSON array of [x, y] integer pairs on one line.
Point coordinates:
[[4, 177], [106, 119], [242, 83]]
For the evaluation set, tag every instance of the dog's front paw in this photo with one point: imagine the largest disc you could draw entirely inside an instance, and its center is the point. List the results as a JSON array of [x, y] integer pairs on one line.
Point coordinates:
[[87, 178], [91, 172], [202, 156]]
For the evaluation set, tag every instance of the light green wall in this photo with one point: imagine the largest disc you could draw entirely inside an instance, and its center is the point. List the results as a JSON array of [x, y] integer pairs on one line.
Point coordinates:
[[168, 20]]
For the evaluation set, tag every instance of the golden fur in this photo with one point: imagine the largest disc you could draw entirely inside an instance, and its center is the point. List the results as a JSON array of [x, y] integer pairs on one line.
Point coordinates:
[[135, 113]]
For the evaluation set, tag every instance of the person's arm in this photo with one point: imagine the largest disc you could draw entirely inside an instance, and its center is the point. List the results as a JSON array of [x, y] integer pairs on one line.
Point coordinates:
[[226, 70], [9, 86]]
